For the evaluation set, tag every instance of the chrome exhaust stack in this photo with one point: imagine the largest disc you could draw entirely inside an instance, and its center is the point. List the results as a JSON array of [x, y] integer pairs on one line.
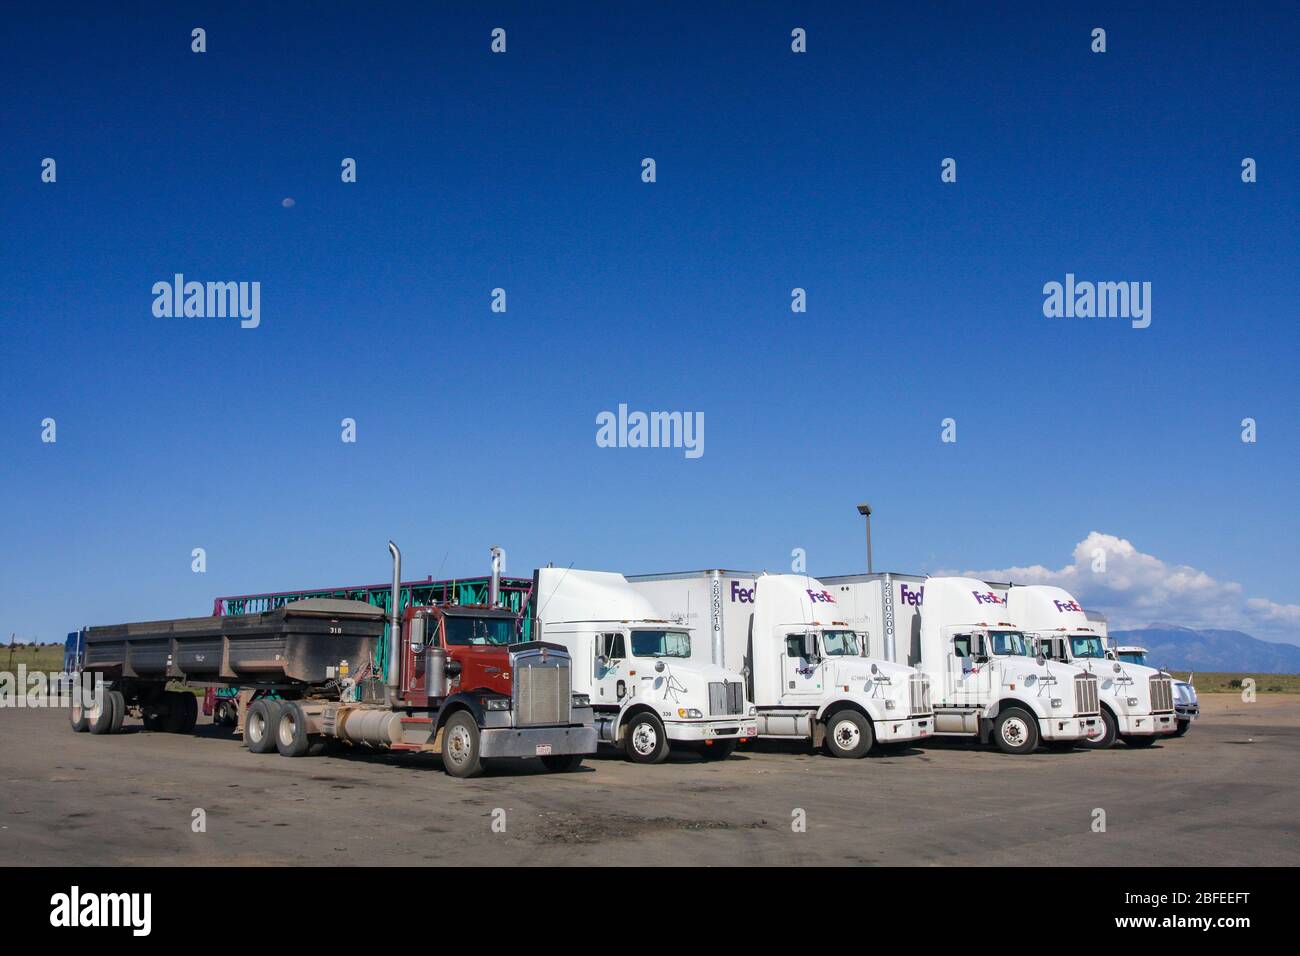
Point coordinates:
[[494, 585], [393, 671]]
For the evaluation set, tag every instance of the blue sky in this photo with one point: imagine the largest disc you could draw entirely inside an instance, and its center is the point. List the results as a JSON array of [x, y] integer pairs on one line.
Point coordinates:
[[522, 171]]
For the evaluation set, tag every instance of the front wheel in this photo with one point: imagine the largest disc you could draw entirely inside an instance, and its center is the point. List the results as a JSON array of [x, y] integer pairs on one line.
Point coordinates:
[[1183, 727], [1016, 731], [848, 734], [562, 763], [645, 739], [460, 746], [1109, 731], [77, 715]]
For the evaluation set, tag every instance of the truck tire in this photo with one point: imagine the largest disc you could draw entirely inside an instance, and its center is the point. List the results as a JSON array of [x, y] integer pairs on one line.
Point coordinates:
[[1016, 731], [460, 746], [119, 711], [720, 750], [1109, 730], [564, 763], [182, 712], [1182, 728], [1139, 742], [848, 734], [259, 726], [644, 739], [99, 715], [77, 713], [291, 737]]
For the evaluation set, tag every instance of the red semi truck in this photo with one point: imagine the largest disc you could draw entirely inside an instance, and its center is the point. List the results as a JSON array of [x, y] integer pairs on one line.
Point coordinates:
[[453, 680]]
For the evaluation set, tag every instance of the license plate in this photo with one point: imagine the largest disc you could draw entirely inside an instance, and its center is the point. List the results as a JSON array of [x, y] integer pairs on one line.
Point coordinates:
[[543, 750]]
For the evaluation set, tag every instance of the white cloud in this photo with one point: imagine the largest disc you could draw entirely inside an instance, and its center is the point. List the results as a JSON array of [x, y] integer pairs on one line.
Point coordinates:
[[1134, 589]]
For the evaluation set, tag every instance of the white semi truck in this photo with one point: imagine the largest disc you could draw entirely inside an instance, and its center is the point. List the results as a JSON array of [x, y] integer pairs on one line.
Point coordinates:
[[652, 685], [806, 669], [987, 680], [1137, 704]]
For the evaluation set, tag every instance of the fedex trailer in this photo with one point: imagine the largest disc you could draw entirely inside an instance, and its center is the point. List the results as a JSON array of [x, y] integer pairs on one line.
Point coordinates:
[[1137, 702], [651, 683], [986, 679], [804, 665]]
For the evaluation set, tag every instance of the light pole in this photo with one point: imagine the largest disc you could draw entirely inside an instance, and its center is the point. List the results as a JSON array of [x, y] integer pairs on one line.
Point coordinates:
[[864, 509]]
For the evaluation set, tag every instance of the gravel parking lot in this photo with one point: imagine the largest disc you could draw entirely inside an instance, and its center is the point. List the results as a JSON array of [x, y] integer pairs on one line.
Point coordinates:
[[1224, 794]]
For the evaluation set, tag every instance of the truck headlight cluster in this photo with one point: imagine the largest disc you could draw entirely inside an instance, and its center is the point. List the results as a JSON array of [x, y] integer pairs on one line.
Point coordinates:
[[1132, 701], [1056, 702], [690, 713], [753, 711], [581, 700], [496, 703]]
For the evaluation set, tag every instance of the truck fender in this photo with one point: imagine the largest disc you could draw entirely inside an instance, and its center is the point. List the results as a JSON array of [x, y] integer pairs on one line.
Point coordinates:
[[631, 706], [840, 703], [460, 701]]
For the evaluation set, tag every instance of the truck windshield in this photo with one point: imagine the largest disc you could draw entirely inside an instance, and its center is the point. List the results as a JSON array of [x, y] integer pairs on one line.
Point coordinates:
[[1082, 645], [1133, 657], [1010, 643], [661, 644], [840, 643], [467, 631]]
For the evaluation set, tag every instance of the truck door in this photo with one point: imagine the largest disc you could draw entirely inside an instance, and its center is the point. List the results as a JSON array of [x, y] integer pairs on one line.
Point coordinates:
[[964, 671], [800, 670], [610, 675]]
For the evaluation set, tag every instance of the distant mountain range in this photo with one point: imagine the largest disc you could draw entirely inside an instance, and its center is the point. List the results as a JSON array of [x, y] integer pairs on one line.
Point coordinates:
[[1187, 649]]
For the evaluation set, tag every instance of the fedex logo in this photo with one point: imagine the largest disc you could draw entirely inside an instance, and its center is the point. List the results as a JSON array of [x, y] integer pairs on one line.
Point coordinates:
[[988, 597], [1064, 606], [823, 597], [741, 595], [907, 596]]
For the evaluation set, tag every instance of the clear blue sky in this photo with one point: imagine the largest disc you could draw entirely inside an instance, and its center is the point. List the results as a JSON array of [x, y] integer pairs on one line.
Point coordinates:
[[522, 170]]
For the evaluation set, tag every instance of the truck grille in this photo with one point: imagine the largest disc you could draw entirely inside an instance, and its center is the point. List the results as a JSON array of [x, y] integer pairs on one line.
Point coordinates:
[[919, 687], [542, 694], [1162, 694], [1085, 696], [726, 698]]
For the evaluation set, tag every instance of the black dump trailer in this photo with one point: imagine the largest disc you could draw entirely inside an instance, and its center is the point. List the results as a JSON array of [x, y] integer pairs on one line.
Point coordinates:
[[301, 645]]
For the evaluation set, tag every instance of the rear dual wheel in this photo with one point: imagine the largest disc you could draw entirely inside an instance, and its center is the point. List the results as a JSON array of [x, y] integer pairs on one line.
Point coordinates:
[[260, 725], [291, 738]]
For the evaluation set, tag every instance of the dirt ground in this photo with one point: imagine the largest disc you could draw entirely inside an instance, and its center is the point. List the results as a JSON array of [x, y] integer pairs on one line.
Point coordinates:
[[1223, 794]]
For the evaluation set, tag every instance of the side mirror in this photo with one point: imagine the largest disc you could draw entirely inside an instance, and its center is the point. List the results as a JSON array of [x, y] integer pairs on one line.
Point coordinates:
[[659, 667], [809, 646], [1118, 668], [1041, 659], [875, 669], [417, 635]]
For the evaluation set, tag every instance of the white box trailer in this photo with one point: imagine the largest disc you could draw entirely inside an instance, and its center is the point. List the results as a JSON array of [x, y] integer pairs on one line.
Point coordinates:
[[652, 683], [985, 678], [1137, 702], [803, 663]]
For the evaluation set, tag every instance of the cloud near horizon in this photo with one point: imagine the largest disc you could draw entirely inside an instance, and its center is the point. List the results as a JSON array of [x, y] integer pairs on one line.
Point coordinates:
[[1134, 589]]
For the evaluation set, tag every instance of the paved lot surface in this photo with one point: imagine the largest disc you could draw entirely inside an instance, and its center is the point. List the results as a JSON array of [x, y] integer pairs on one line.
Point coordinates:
[[1224, 794]]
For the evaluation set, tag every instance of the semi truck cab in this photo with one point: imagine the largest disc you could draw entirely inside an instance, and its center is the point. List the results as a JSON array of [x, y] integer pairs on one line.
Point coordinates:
[[1136, 701], [993, 685], [809, 675], [652, 686]]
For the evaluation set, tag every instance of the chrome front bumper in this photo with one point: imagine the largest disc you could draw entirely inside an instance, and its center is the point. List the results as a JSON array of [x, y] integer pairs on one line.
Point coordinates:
[[903, 729], [537, 741]]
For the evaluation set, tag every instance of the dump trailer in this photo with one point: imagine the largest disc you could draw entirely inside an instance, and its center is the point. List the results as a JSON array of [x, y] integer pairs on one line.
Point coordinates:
[[454, 680]]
